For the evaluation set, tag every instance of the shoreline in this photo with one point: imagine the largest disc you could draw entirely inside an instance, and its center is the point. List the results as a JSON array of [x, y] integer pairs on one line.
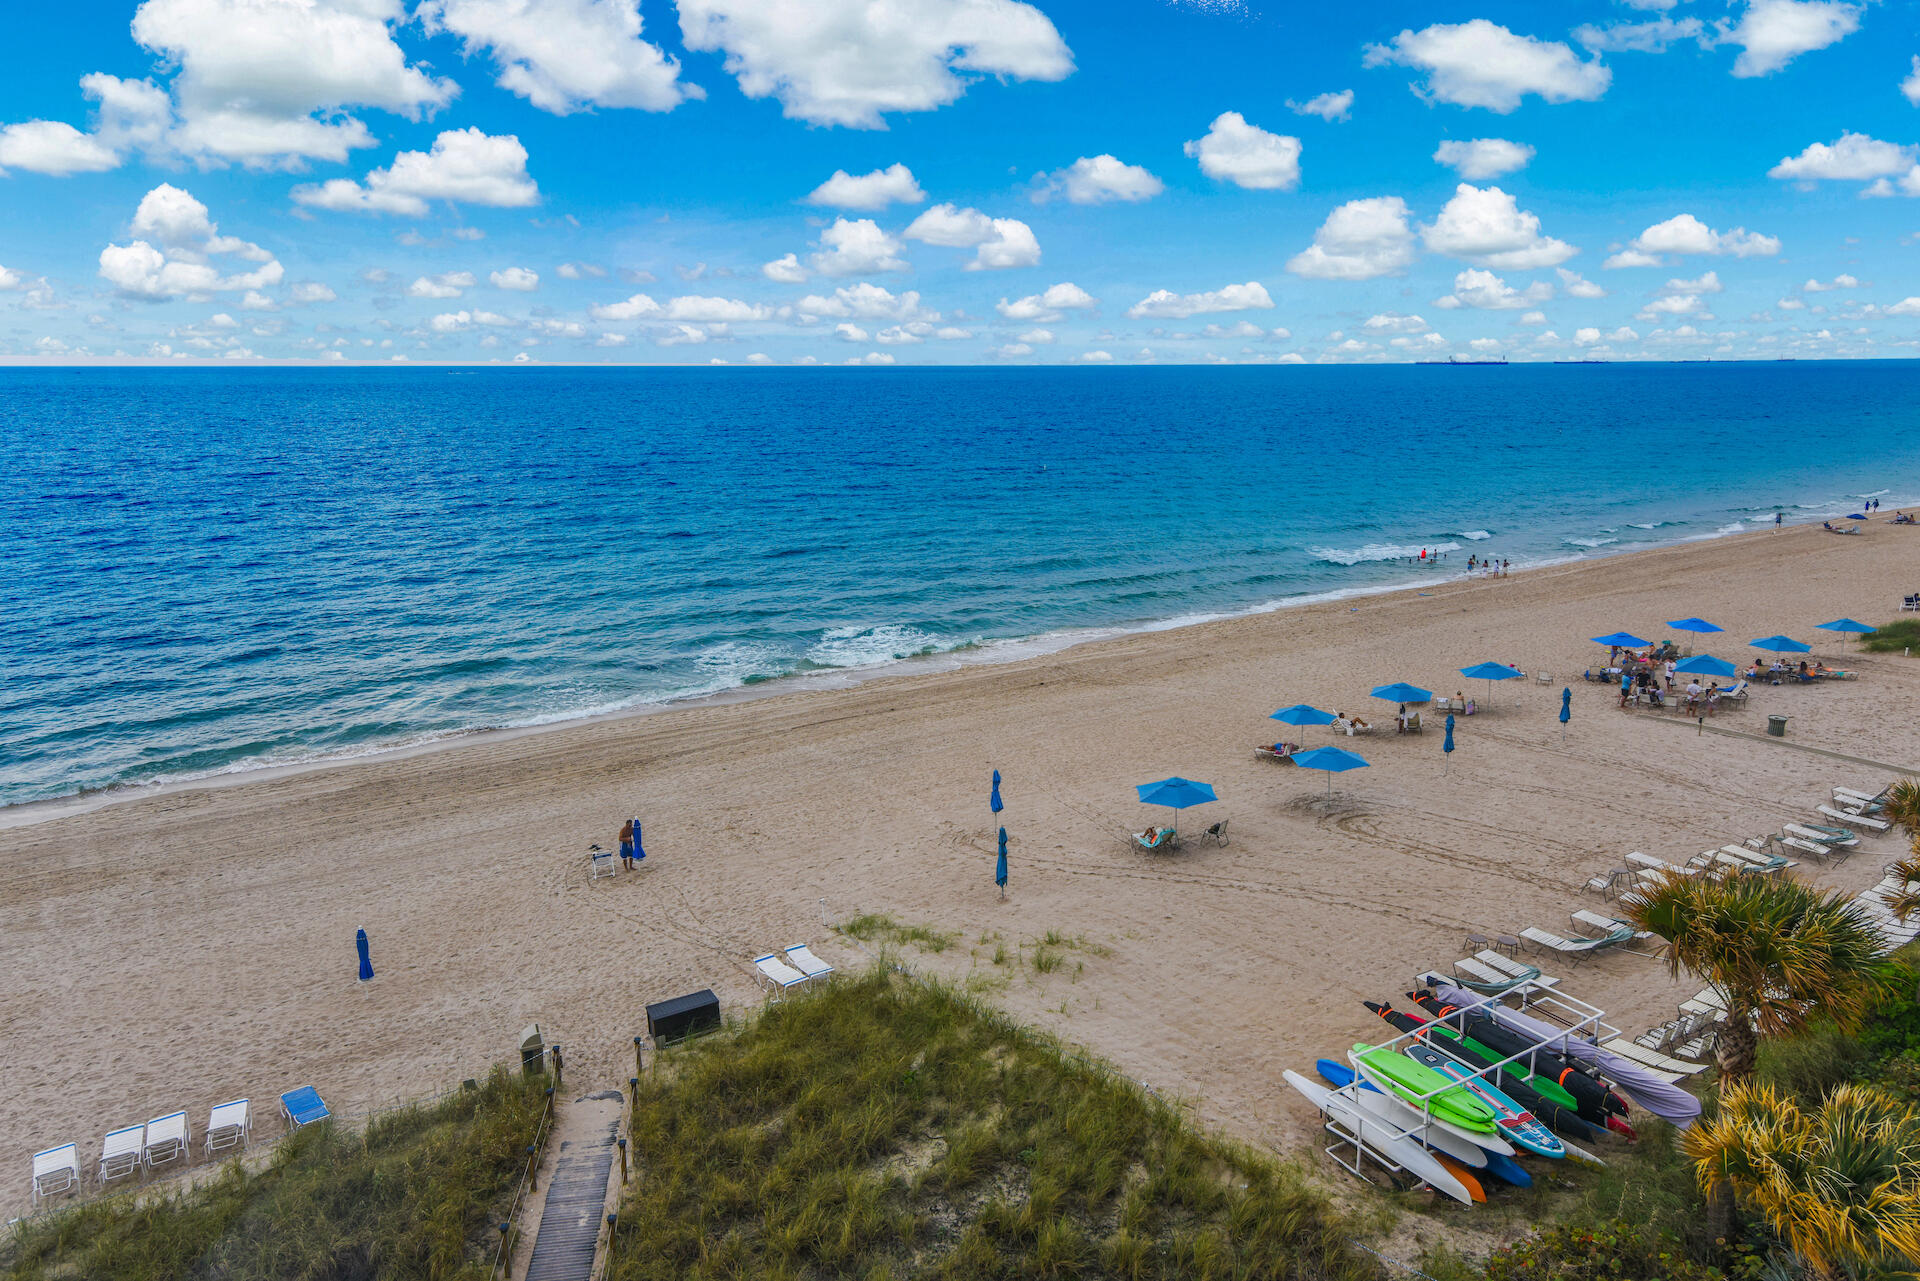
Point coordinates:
[[989, 653]]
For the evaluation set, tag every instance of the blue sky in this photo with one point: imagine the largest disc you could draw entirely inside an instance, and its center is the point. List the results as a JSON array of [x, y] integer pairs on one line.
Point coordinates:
[[641, 181]]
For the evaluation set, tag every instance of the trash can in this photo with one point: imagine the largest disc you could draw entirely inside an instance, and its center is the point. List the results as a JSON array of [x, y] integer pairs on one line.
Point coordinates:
[[1777, 726]]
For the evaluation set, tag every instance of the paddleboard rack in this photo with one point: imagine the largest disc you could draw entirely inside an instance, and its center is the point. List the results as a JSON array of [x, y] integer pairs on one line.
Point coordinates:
[[1361, 1151]]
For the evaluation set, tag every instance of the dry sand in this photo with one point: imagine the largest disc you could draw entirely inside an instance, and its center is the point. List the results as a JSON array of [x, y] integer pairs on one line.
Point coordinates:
[[181, 949]]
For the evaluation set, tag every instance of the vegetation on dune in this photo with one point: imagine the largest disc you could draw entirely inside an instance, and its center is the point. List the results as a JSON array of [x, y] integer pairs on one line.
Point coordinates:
[[884, 1127], [1894, 638], [415, 1196]]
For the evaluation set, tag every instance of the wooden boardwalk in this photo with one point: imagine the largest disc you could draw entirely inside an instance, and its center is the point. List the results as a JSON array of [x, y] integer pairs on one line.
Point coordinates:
[[569, 1232]]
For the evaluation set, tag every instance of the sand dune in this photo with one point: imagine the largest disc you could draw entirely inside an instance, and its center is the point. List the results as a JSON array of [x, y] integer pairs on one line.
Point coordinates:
[[184, 948]]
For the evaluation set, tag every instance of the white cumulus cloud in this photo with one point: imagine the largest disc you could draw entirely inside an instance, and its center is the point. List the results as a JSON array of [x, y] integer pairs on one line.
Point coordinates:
[[464, 166], [1163, 304], [1686, 234], [1360, 240], [1482, 64], [54, 148], [565, 55], [849, 62], [894, 185], [786, 269], [997, 242], [632, 308], [1049, 305], [1098, 180], [1483, 158], [1772, 33], [1328, 106], [448, 284], [857, 247], [1247, 155], [1653, 36], [1484, 290], [1487, 227], [518, 279], [176, 241], [1578, 286], [866, 301], [715, 311]]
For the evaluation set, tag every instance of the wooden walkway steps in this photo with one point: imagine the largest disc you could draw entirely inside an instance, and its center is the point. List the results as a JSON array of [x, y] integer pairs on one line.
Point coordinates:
[[569, 1231]]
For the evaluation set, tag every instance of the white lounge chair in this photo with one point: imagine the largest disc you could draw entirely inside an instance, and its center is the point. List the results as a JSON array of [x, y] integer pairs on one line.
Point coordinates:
[[774, 969], [55, 1170], [601, 863], [1516, 969], [166, 1140], [1858, 799], [228, 1126], [1855, 820], [121, 1152], [1819, 836], [807, 963], [1662, 1064], [1805, 846], [1575, 950]]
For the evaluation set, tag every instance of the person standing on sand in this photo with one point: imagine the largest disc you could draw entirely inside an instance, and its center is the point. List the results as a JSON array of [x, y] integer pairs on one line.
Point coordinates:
[[626, 845], [1777, 518], [1669, 673]]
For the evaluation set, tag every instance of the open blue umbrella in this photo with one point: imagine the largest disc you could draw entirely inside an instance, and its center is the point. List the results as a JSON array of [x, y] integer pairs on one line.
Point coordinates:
[[1851, 625], [366, 961], [1403, 693], [1490, 672], [1706, 665], [1621, 640], [1175, 793], [1330, 761], [1000, 868], [1445, 746], [1692, 625], [1301, 714], [1781, 645], [995, 801], [1566, 711]]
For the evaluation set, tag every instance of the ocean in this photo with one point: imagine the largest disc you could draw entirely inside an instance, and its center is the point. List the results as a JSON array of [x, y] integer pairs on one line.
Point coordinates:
[[207, 571]]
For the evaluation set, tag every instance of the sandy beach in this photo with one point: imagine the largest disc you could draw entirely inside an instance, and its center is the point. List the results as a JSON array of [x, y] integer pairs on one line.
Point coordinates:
[[181, 949]]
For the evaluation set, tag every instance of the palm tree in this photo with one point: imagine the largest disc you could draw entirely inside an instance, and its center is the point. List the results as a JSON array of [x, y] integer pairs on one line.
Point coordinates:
[[1839, 1183], [1779, 953], [1902, 805], [1904, 900]]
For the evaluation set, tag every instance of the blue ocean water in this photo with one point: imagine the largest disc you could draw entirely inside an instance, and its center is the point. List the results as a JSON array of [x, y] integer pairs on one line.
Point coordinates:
[[214, 570]]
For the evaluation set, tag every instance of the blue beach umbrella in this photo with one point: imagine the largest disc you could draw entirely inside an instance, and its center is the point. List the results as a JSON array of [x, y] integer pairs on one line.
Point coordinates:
[[1489, 672], [1706, 665], [1692, 625], [995, 801], [1403, 693], [1566, 711], [1301, 714], [1175, 793], [1621, 640], [1330, 761], [1446, 745], [366, 960], [1000, 868], [1852, 625], [639, 850], [1781, 645]]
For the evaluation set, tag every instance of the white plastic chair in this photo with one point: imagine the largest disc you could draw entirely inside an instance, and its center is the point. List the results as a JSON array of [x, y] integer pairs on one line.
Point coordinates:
[[55, 1170], [121, 1152], [601, 863], [777, 972], [166, 1140], [229, 1125], [807, 963]]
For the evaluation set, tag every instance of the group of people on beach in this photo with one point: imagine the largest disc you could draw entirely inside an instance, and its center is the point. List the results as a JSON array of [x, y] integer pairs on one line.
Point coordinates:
[[1495, 567]]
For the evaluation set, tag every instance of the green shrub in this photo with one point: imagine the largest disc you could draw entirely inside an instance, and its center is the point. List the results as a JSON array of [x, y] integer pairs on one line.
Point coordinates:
[[1613, 1252]]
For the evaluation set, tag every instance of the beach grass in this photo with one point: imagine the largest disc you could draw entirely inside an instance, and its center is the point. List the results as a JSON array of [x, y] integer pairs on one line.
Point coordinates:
[[418, 1194], [1893, 638], [889, 1127], [876, 927]]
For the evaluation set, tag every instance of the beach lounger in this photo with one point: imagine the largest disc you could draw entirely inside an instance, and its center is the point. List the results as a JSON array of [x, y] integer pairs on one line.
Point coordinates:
[[1471, 973], [1836, 837], [1659, 1064], [1767, 863], [1575, 950], [166, 1140], [228, 1126], [1515, 969], [120, 1152], [802, 958], [55, 1170], [303, 1107], [1167, 839], [775, 970], [1859, 799], [1805, 846], [1855, 820], [1659, 867], [1543, 678], [1282, 752], [1483, 974], [601, 863]]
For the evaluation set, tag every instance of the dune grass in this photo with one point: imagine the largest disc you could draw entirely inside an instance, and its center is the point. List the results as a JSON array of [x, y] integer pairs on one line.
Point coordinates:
[[416, 1195], [1894, 637], [885, 1127]]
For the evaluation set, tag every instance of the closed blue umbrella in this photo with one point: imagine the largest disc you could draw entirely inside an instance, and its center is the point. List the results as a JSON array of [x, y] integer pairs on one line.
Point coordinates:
[[1706, 665], [1175, 793], [1301, 714], [1566, 711], [639, 850], [995, 801], [1000, 868], [1403, 693], [366, 960], [1330, 761], [1692, 625], [1446, 745], [1781, 645], [1851, 625]]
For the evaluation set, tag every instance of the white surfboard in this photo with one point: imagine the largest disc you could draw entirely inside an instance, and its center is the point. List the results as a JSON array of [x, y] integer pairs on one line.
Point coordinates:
[[1434, 1121], [1379, 1138]]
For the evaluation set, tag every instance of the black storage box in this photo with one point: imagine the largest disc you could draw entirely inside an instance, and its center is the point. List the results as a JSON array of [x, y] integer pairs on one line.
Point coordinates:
[[683, 1016]]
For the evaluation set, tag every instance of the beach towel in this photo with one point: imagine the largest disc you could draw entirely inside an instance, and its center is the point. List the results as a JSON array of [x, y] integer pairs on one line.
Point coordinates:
[[1668, 1102]]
